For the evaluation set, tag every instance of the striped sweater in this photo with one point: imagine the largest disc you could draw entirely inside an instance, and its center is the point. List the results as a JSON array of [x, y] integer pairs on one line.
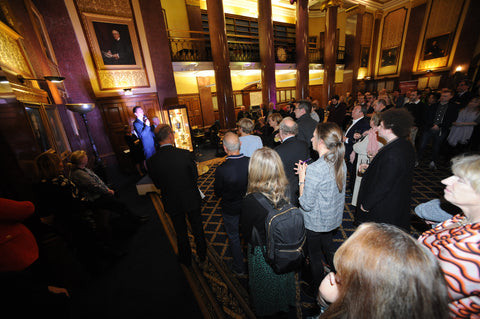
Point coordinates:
[[457, 247]]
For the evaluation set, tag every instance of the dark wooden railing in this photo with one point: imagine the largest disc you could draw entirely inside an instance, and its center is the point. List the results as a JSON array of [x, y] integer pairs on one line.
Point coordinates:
[[241, 48]]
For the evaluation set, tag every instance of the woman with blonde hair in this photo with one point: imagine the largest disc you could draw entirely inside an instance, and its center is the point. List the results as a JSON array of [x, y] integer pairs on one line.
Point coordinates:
[[322, 197], [456, 241], [270, 293], [271, 139], [382, 272]]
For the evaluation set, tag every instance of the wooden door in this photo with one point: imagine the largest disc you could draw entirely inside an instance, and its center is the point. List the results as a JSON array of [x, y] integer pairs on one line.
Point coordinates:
[[118, 118], [194, 109]]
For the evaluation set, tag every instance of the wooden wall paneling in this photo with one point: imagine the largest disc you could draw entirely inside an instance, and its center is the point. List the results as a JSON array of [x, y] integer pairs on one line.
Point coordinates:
[[117, 114], [117, 126], [443, 24], [393, 31], [316, 92], [417, 15], [206, 117], [19, 148], [464, 54], [192, 101], [246, 99]]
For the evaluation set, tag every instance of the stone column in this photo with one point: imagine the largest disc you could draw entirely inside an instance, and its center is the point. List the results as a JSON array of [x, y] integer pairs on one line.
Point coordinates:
[[302, 89], [267, 51], [330, 54], [221, 63]]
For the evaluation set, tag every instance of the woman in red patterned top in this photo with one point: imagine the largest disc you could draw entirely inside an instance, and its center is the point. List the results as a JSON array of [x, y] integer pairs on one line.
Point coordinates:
[[456, 242]]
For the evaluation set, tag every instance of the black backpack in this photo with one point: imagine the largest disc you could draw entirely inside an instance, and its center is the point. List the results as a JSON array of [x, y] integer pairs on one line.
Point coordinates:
[[285, 233]]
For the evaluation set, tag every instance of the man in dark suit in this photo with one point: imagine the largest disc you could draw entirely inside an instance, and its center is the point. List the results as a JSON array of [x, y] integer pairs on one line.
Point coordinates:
[[306, 124], [417, 108], [174, 172], [354, 132], [231, 180], [385, 191], [463, 95], [291, 151], [438, 120], [337, 111]]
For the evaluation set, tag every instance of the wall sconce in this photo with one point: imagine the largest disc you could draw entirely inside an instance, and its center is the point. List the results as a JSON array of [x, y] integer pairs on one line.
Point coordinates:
[[128, 91], [458, 69], [51, 78]]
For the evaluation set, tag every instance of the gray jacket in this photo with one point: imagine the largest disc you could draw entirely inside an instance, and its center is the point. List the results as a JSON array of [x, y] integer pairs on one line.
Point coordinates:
[[321, 202]]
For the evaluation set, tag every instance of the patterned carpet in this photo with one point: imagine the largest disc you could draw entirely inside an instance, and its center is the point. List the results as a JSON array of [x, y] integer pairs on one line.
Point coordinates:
[[223, 295]]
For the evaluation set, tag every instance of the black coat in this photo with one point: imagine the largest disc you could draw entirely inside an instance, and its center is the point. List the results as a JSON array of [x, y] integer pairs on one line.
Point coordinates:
[[417, 110], [291, 151], [386, 185], [174, 172], [306, 127], [450, 116], [231, 180], [361, 126]]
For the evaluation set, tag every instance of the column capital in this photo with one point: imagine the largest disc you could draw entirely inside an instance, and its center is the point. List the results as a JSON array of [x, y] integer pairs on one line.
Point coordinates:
[[356, 10], [330, 3], [192, 3]]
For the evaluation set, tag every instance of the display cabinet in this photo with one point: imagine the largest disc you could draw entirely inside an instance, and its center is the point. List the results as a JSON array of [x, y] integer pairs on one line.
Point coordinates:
[[178, 117]]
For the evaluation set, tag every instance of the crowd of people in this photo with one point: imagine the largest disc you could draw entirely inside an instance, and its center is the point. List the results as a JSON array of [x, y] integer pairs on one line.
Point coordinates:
[[311, 157], [376, 140]]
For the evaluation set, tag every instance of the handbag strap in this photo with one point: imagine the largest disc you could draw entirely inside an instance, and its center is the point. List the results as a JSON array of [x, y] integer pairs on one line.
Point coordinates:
[[255, 233], [263, 201]]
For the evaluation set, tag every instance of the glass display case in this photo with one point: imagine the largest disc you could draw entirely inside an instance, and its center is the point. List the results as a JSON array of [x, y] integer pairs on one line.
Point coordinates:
[[178, 117]]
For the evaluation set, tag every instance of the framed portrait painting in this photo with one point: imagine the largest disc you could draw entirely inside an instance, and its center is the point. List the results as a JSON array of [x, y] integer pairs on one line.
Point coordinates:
[[365, 53], [436, 47], [389, 57], [113, 42]]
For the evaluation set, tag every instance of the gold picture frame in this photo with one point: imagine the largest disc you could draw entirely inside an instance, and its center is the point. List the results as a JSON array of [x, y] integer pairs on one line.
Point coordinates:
[[113, 42]]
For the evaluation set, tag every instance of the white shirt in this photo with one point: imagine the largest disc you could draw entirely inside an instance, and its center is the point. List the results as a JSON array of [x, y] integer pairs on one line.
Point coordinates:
[[353, 123]]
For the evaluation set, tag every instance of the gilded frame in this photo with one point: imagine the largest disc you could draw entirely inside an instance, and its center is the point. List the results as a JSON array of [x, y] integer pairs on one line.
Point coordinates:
[[99, 32]]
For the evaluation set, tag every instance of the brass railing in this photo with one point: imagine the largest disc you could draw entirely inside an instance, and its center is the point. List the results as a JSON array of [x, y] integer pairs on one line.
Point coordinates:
[[241, 48]]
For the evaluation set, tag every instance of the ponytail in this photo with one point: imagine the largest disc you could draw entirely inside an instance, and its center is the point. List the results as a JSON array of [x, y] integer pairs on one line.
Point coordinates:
[[332, 136]]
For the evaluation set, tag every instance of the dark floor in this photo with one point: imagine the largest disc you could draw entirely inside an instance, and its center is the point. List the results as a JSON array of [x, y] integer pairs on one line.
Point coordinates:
[[147, 282]]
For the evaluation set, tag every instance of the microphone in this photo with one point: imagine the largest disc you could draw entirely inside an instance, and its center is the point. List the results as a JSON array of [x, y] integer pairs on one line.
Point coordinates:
[[145, 118]]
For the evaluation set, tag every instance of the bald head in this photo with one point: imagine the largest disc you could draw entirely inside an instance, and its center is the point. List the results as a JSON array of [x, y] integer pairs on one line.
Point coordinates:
[[288, 127], [231, 143]]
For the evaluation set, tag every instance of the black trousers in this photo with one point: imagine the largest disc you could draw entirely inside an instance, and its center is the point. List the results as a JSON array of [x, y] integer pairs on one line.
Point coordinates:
[[320, 246], [180, 225], [352, 172]]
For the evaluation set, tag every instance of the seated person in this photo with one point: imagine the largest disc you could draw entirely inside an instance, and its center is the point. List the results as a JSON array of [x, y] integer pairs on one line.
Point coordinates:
[[382, 272], [59, 197], [95, 190], [72, 215], [455, 241], [27, 287]]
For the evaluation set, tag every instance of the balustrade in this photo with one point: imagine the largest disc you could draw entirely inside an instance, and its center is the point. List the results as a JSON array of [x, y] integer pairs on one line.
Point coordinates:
[[241, 49]]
